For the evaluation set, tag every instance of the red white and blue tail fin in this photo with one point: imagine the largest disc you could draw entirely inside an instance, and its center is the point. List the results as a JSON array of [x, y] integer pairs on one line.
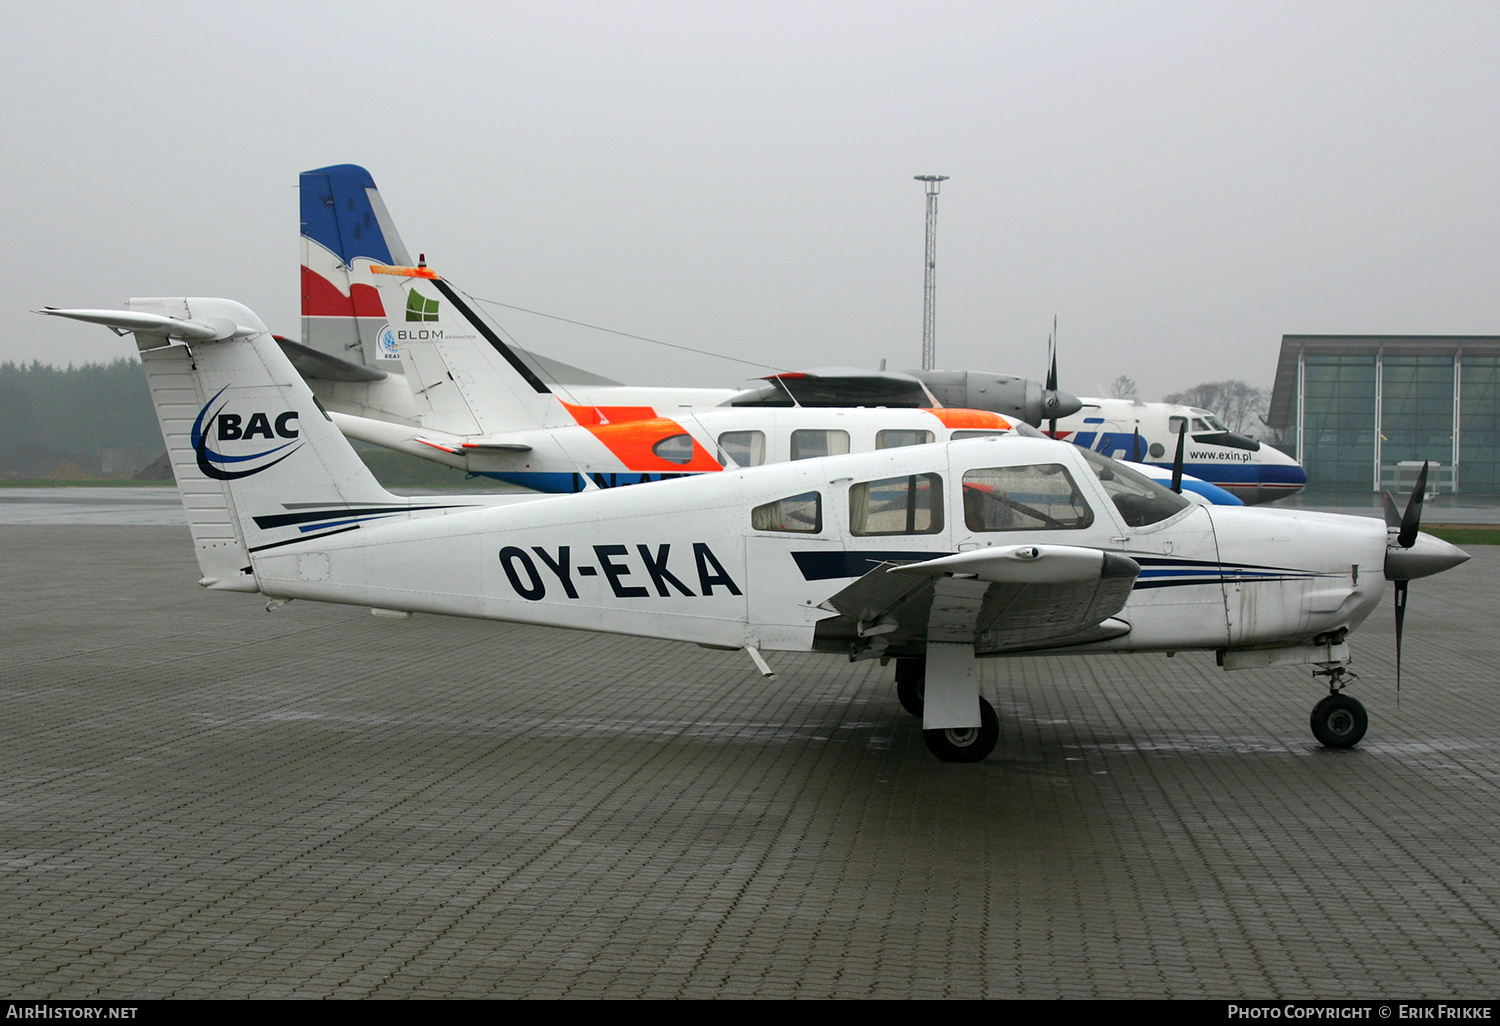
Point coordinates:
[[345, 229]]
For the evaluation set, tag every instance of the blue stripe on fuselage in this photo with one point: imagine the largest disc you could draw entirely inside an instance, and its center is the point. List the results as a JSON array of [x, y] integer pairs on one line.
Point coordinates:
[[565, 484]]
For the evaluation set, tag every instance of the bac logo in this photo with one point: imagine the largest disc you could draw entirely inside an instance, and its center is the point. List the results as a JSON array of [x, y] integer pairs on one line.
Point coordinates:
[[249, 433], [627, 572]]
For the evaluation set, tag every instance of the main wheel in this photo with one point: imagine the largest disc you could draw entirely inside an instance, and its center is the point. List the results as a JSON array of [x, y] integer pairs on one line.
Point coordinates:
[[1339, 721], [911, 684], [966, 744]]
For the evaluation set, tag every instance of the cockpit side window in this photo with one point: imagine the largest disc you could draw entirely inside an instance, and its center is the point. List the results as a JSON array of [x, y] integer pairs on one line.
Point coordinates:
[[897, 505], [797, 514], [1140, 500], [1041, 497]]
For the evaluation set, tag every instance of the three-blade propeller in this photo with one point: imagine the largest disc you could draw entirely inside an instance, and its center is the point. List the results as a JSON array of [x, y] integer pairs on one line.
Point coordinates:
[[1411, 554], [1405, 526]]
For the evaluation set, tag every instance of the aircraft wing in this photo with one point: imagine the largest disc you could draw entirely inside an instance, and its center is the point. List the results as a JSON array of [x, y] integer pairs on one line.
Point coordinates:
[[836, 386], [1001, 599]]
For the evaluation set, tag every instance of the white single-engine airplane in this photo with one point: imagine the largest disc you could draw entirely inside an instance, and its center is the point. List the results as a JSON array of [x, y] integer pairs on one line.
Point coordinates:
[[932, 555]]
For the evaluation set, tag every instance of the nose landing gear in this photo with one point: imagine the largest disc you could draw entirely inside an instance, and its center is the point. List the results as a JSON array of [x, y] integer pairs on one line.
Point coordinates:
[[1339, 720]]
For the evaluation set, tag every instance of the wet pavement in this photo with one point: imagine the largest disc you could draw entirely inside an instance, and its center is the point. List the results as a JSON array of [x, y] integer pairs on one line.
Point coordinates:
[[202, 799]]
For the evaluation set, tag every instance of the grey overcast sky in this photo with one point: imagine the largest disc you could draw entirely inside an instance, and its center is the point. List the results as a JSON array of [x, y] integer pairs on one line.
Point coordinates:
[[1179, 183]]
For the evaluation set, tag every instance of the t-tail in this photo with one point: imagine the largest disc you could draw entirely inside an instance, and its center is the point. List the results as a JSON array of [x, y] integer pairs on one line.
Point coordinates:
[[258, 462], [465, 378]]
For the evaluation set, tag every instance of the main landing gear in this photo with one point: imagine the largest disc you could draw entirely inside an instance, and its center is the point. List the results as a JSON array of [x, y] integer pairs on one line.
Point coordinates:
[[966, 744], [950, 744], [911, 679], [1338, 721]]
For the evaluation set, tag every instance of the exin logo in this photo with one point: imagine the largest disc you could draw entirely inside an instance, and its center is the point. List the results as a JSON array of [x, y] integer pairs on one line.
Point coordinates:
[[235, 427], [385, 344], [419, 308]]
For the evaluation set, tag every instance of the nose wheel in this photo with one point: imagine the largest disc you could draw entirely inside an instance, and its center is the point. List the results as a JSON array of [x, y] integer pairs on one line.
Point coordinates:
[[1339, 721]]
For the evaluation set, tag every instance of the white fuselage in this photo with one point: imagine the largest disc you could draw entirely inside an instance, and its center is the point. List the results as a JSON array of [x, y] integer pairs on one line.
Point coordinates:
[[685, 560], [1147, 433]]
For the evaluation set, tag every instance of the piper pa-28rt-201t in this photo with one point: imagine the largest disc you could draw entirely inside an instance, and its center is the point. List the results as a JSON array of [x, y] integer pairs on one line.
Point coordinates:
[[933, 555]]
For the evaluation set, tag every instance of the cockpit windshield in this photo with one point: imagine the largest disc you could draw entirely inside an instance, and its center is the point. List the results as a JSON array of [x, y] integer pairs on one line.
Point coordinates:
[[1140, 500]]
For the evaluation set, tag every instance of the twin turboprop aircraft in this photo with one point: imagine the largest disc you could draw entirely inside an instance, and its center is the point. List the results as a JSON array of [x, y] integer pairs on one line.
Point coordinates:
[[930, 555], [483, 409], [360, 364]]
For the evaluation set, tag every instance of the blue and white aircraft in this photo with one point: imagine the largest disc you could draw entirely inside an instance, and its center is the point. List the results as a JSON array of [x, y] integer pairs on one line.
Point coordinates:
[[1147, 433], [934, 556]]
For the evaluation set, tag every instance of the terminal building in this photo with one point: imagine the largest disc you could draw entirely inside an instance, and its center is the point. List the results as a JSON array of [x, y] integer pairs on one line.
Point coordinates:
[[1362, 412]]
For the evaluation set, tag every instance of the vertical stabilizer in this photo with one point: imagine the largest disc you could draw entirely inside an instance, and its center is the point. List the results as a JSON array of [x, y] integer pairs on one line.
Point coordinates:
[[345, 229], [258, 462], [465, 378]]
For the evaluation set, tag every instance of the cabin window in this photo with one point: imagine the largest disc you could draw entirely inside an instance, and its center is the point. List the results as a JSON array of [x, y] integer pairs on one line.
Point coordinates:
[[897, 505], [1140, 500], [808, 445], [1176, 425], [1043, 497], [800, 514], [959, 436], [675, 449], [744, 448], [898, 439]]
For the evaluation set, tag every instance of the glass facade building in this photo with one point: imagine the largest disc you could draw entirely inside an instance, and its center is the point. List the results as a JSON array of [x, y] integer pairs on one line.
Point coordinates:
[[1362, 412]]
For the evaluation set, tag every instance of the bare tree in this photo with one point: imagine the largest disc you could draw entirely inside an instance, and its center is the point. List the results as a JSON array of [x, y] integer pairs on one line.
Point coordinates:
[[1123, 387], [1239, 405]]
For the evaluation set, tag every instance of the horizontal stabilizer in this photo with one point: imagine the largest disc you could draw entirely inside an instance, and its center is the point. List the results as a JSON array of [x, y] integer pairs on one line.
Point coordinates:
[[312, 363], [209, 329]]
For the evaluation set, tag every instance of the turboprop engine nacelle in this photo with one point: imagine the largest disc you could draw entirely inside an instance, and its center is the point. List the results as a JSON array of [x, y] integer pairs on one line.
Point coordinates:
[[1006, 394]]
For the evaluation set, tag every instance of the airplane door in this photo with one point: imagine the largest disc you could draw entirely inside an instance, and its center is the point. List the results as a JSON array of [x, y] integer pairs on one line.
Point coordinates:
[[794, 559], [1115, 440]]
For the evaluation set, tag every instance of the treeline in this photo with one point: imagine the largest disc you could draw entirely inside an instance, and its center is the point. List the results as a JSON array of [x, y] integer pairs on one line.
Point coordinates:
[[98, 416], [97, 421]]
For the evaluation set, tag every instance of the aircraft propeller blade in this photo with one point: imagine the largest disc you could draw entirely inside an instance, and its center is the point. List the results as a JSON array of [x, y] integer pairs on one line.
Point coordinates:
[[1405, 558], [1400, 622], [1177, 460], [1411, 521], [1051, 397], [1135, 446], [1392, 514]]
